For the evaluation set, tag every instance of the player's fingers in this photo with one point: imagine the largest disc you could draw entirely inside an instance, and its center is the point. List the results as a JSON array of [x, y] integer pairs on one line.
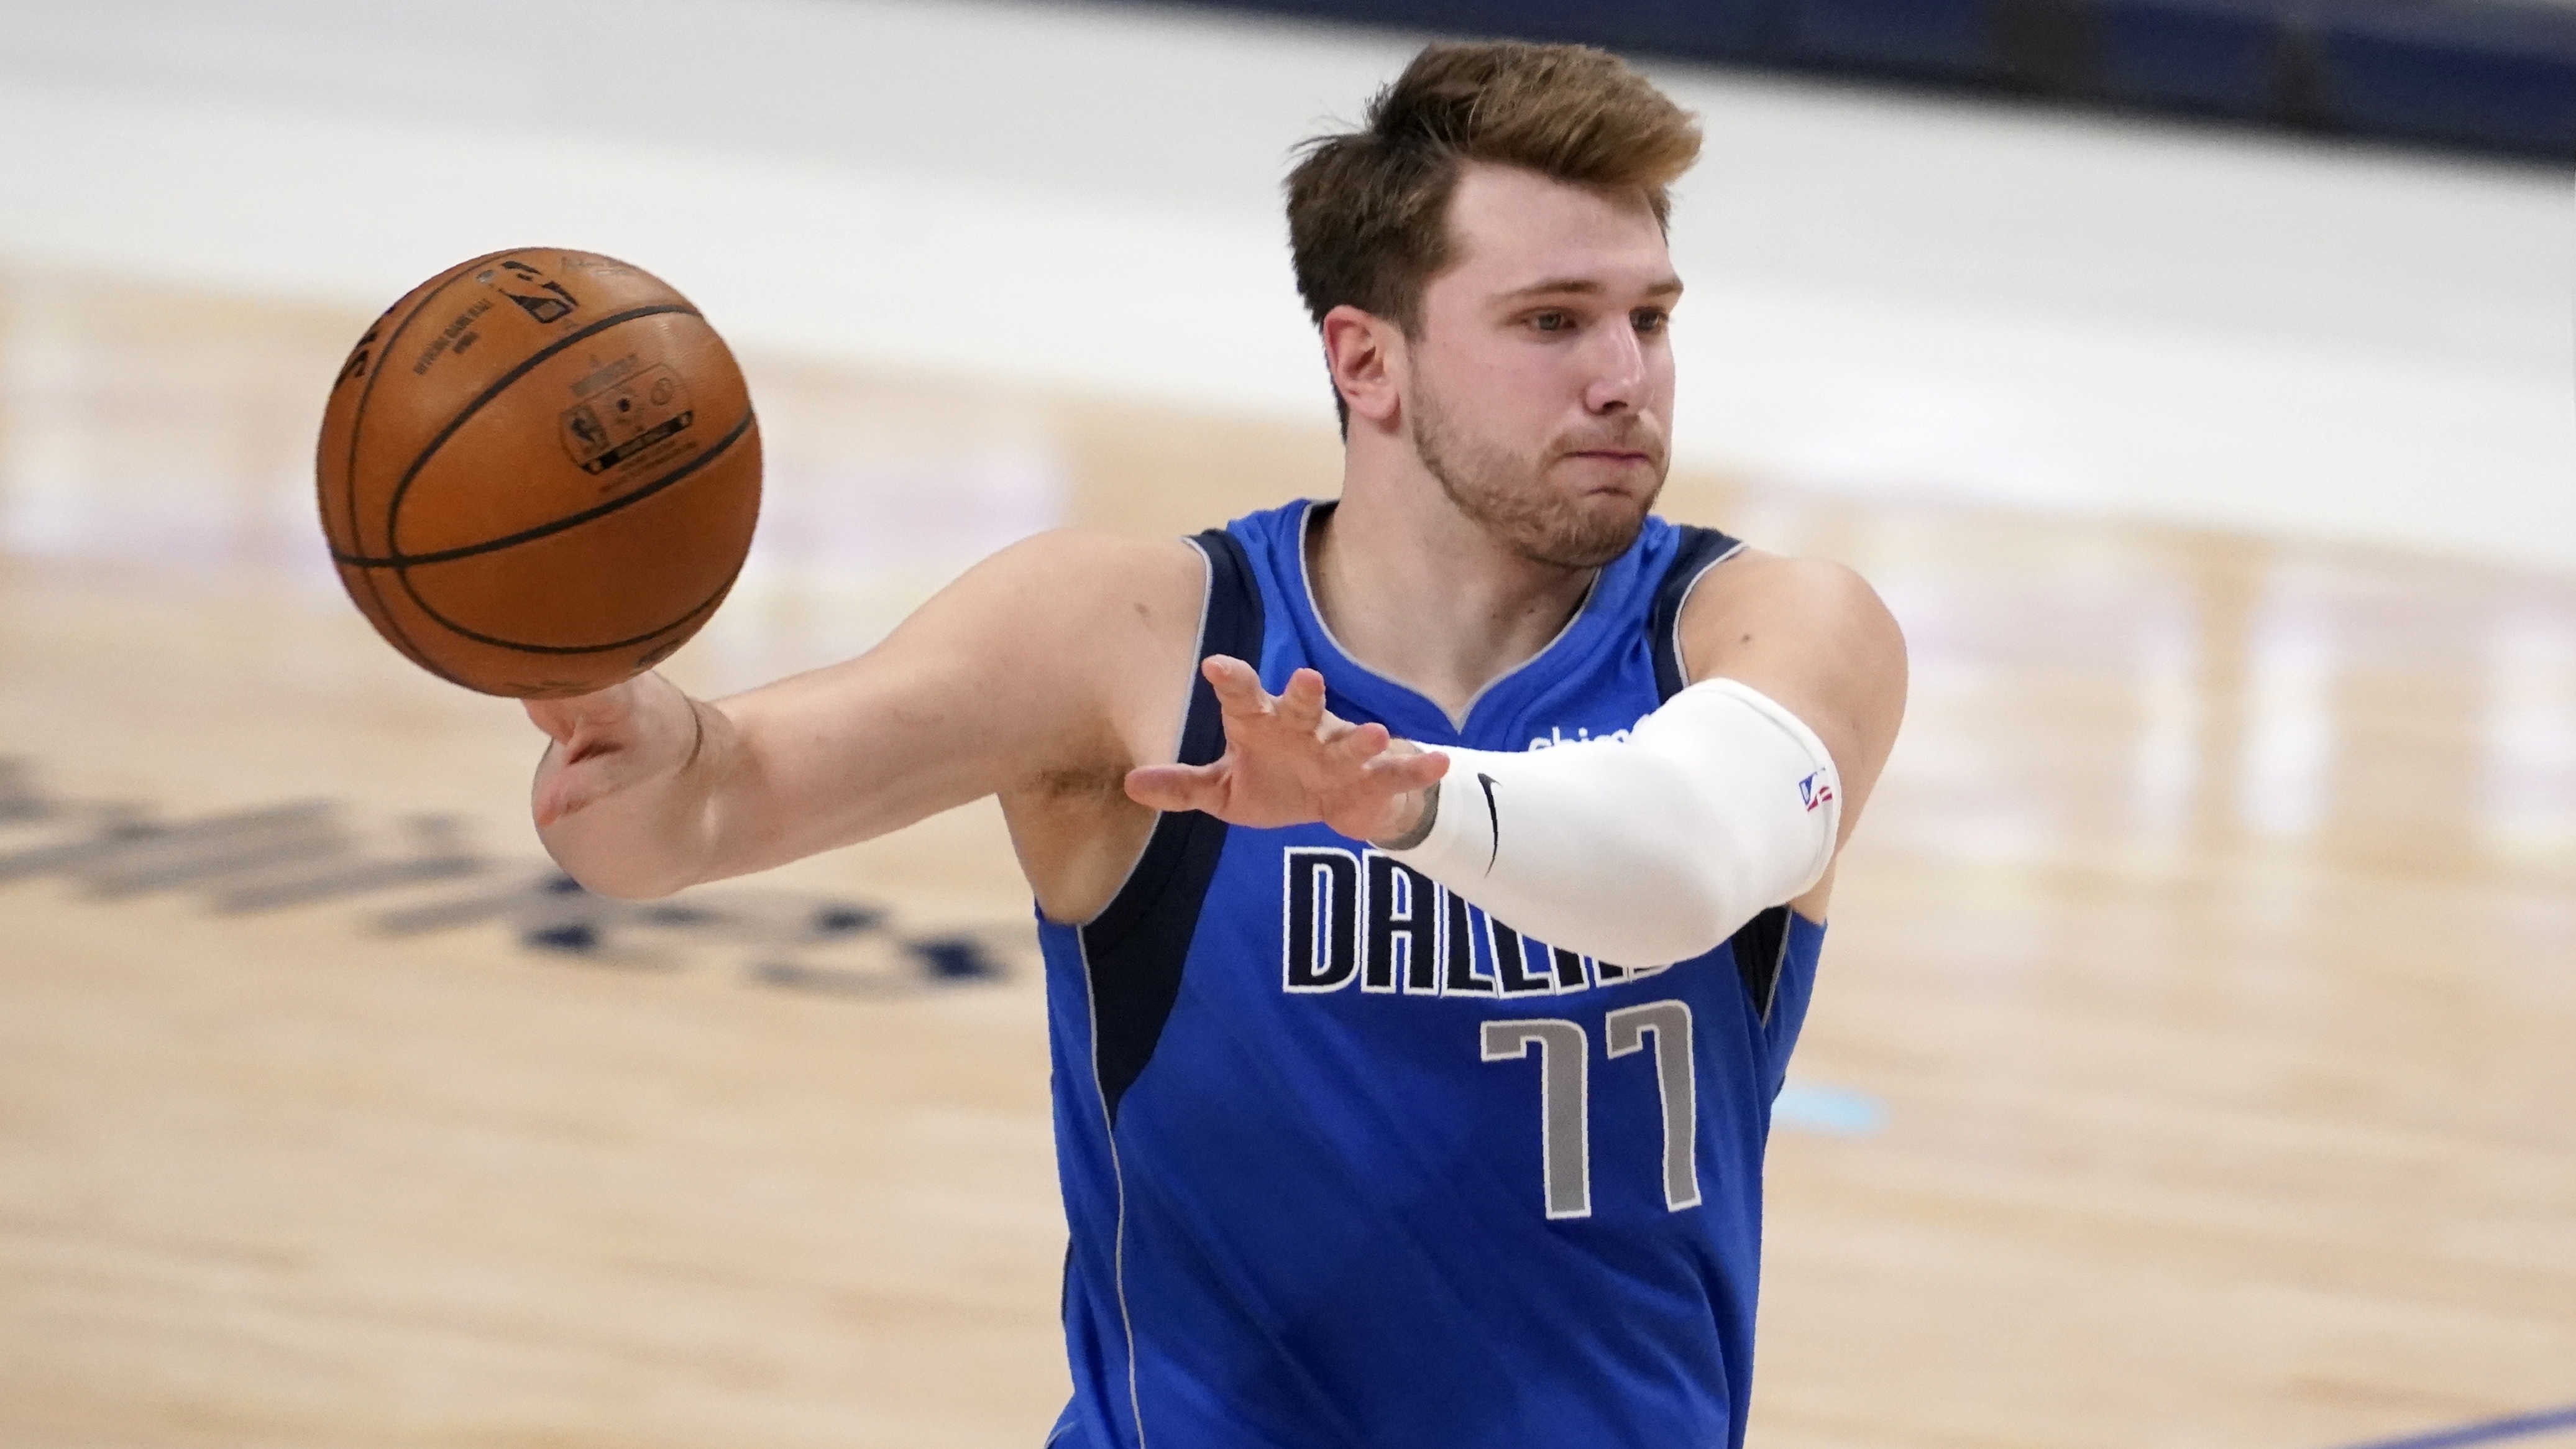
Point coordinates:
[[607, 712], [553, 717], [1400, 773], [1301, 704], [1238, 686], [1177, 787], [561, 791], [1356, 744]]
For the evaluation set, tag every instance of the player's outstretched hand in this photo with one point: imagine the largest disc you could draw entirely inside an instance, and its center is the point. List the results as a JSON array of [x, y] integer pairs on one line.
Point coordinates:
[[606, 742], [1288, 760]]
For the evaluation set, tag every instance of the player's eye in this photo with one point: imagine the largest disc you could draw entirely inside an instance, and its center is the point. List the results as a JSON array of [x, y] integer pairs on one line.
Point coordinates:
[[1650, 319], [1552, 321]]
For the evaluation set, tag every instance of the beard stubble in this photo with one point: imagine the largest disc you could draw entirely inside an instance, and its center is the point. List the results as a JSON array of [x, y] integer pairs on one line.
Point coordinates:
[[1507, 494]]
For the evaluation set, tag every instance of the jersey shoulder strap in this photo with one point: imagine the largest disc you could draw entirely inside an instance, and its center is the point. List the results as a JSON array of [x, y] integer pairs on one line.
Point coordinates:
[[1698, 550], [1135, 949], [1761, 948]]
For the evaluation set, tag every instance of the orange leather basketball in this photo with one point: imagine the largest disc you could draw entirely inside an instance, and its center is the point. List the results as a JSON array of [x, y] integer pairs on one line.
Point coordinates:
[[539, 473]]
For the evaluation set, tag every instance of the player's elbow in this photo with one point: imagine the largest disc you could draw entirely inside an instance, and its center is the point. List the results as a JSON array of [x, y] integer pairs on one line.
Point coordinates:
[[1656, 948], [1698, 905]]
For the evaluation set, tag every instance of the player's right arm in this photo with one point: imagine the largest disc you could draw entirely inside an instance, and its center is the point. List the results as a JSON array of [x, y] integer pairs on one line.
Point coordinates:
[[1063, 659]]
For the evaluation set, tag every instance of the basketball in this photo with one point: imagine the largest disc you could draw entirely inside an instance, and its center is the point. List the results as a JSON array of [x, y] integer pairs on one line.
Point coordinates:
[[539, 473]]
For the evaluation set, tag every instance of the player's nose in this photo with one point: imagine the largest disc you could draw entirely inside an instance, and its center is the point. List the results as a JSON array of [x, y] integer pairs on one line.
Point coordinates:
[[1616, 360]]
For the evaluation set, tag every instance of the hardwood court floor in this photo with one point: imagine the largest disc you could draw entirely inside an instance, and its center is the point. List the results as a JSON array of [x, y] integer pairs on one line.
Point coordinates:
[[2210, 952]]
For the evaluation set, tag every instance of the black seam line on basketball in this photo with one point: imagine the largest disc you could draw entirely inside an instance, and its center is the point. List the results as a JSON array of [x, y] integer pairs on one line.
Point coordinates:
[[367, 394], [1494, 818], [542, 530], [357, 425], [701, 607], [393, 506]]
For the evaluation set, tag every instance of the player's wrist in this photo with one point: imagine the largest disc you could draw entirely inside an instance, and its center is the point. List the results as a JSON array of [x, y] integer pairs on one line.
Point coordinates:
[[1414, 822]]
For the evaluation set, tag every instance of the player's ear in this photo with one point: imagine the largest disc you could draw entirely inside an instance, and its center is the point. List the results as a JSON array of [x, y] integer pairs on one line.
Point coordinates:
[[1366, 354]]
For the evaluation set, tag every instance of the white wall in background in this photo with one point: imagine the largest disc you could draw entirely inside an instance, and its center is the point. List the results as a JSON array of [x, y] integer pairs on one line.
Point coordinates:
[[1889, 292]]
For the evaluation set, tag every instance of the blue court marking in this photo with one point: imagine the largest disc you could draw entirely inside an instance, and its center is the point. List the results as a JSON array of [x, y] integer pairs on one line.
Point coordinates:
[[2519, 1426], [1835, 1111]]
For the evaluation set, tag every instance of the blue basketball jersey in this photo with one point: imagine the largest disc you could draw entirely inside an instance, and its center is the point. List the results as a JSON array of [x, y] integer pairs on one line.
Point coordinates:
[[1345, 1161]]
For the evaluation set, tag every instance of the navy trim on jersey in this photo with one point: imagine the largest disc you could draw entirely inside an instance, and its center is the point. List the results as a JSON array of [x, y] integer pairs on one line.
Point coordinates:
[[1136, 947], [1762, 946], [1761, 949], [1324, 1221], [1700, 549]]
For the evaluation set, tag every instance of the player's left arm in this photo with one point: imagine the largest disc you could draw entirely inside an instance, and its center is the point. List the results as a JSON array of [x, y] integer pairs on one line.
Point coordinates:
[[1814, 638], [1731, 797]]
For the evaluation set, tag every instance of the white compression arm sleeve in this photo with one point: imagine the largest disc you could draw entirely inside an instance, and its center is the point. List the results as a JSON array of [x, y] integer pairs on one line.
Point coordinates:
[[1645, 850]]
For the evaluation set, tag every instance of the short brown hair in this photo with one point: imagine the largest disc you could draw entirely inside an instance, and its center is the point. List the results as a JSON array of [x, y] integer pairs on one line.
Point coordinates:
[[1368, 209]]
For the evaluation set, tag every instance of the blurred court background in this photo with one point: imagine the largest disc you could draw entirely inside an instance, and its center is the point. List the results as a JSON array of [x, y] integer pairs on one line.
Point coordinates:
[[2195, 1058]]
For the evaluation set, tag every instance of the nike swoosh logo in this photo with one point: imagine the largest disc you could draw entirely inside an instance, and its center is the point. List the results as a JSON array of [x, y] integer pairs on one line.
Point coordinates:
[[1493, 818]]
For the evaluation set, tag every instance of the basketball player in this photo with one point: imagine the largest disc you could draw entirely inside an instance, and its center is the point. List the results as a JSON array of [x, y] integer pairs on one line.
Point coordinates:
[[1430, 881]]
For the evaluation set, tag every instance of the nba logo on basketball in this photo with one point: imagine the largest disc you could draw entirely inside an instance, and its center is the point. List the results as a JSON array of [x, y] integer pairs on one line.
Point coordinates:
[[1814, 791]]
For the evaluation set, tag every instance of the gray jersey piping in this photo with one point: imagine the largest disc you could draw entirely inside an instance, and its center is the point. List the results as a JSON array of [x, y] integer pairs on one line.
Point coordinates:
[[1198, 659], [1681, 666], [1118, 1174], [1459, 720]]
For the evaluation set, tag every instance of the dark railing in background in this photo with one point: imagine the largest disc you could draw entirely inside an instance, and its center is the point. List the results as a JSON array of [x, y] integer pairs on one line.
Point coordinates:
[[2493, 75]]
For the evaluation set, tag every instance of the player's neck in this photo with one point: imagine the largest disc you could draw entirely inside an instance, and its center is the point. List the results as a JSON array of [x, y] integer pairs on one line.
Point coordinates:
[[1421, 594]]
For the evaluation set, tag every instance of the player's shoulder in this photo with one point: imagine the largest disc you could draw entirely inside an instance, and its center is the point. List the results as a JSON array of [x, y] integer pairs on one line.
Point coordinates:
[[1755, 590], [1073, 573], [1077, 550], [1755, 573]]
